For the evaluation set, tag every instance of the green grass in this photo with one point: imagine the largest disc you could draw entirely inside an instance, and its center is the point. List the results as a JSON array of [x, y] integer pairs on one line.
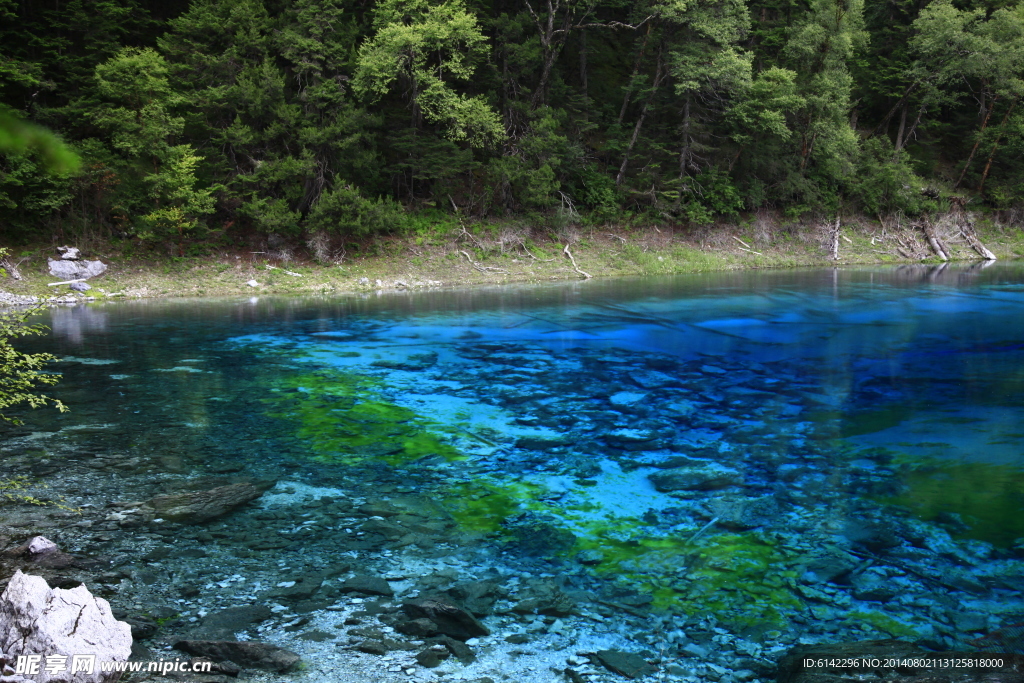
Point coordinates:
[[427, 252]]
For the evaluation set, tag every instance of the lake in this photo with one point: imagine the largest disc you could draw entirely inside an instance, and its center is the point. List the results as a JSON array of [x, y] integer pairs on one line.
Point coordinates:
[[708, 469]]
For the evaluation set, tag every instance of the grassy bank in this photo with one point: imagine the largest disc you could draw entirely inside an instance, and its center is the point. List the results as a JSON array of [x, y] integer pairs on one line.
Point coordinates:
[[497, 254]]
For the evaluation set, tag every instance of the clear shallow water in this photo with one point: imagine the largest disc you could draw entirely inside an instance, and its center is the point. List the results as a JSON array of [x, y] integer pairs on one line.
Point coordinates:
[[826, 454]]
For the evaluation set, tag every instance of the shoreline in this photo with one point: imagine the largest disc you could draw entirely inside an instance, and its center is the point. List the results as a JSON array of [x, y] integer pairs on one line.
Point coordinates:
[[445, 261]]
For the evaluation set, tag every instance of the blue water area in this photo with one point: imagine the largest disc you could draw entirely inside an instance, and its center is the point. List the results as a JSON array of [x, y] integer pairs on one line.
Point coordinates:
[[818, 455]]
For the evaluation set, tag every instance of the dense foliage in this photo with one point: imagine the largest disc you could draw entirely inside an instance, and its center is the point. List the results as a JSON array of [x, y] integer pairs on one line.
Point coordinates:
[[302, 118], [21, 374]]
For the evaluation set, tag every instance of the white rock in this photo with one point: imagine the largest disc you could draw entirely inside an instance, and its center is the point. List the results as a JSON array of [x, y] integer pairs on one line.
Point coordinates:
[[40, 545], [38, 620], [253, 283], [623, 399], [76, 270]]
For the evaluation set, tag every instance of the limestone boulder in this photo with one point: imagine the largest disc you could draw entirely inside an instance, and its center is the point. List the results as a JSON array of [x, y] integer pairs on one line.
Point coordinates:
[[38, 620], [76, 270]]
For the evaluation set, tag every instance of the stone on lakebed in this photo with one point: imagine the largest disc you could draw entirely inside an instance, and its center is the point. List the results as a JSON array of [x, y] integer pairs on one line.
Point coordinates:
[[246, 654], [695, 478], [195, 507]]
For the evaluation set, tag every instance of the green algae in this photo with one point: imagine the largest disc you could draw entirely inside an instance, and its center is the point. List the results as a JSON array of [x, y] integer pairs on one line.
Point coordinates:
[[745, 572], [343, 418], [838, 424], [989, 498], [882, 623], [742, 578], [483, 507]]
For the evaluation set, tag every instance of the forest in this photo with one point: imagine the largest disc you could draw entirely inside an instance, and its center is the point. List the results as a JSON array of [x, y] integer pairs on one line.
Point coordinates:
[[204, 122]]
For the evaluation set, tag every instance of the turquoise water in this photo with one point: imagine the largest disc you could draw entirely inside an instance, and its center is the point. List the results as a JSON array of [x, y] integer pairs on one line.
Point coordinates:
[[833, 455]]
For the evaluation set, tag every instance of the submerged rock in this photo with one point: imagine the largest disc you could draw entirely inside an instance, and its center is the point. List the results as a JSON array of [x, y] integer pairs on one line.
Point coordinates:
[[624, 663], [477, 596], [627, 399], [450, 619], [368, 585], [462, 652], [227, 622], [544, 597], [43, 552], [540, 442], [696, 478], [831, 565], [431, 658], [36, 619], [195, 507], [246, 654], [418, 628], [39, 546], [745, 513]]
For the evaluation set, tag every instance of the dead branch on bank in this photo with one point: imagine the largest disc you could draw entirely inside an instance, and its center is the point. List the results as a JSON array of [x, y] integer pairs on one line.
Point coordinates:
[[568, 253], [832, 231], [964, 222], [940, 249], [11, 269], [479, 267]]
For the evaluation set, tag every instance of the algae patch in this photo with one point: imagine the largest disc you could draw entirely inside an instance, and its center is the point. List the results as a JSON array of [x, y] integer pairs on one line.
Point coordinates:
[[344, 418], [989, 498]]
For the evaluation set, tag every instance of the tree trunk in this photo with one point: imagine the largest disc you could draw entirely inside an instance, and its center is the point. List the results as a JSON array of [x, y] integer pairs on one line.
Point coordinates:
[[974, 149], [910, 133], [805, 149], [504, 88], [995, 146], [685, 154], [833, 250], [658, 72], [903, 126], [967, 229], [583, 65], [415, 113], [551, 48], [933, 239], [632, 77], [550, 54], [885, 121]]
